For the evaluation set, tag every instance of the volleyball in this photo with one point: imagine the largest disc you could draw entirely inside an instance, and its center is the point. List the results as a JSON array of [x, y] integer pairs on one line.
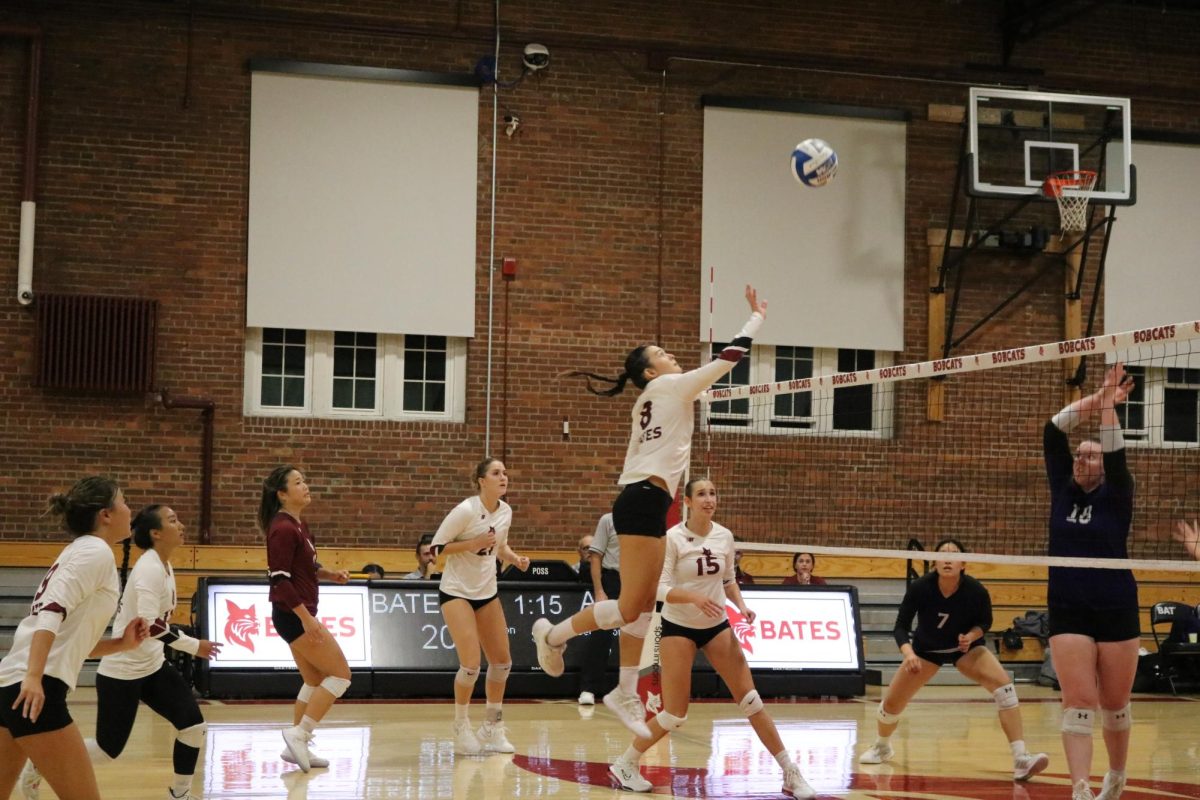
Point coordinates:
[[814, 163]]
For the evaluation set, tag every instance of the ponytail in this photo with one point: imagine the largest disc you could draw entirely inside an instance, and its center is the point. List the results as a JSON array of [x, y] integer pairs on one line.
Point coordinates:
[[124, 564], [269, 505], [635, 370]]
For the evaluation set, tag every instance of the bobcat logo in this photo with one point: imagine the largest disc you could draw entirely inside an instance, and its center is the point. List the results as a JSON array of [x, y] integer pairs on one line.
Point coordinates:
[[241, 625], [742, 629]]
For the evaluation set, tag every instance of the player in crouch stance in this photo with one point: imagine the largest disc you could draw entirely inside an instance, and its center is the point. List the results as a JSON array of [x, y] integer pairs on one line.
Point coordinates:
[[474, 536], [293, 571], [142, 674], [953, 612], [660, 445], [697, 578]]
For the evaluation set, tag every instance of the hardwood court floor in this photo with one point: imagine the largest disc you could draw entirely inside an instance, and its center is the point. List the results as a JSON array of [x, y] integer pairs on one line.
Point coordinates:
[[949, 745]]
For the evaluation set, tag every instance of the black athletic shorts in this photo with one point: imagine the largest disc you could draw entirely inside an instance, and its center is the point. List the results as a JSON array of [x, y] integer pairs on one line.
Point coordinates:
[[54, 715], [641, 510], [1102, 626], [444, 598], [942, 659], [701, 636], [287, 624]]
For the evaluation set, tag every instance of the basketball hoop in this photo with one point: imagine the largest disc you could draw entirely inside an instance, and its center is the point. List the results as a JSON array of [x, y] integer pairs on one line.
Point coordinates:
[[1072, 190]]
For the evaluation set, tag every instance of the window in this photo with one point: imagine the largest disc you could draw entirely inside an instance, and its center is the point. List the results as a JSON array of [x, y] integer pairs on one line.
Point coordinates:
[[849, 410], [1163, 410], [285, 368], [354, 374]]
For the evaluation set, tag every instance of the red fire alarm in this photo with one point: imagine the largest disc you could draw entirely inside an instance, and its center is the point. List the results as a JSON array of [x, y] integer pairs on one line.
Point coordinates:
[[509, 269]]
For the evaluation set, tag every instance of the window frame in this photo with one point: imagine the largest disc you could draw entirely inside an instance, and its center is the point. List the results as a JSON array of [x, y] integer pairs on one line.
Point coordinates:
[[389, 381], [825, 360], [1154, 417]]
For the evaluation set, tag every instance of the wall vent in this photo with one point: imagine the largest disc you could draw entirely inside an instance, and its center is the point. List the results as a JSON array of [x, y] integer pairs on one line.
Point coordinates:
[[94, 343]]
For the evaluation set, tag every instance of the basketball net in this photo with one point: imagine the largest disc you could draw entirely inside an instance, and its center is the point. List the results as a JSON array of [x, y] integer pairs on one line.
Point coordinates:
[[1072, 190]]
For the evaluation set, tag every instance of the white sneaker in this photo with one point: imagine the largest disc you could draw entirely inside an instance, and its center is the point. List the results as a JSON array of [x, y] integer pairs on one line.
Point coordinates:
[[1027, 765], [1112, 788], [877, 754], [587, 699], [1081, 791], [628, 777], [465, 741], [492, 738], [315, 761], [31, 781], [550, 658], [297, 739], [629, 709], [795, 786]]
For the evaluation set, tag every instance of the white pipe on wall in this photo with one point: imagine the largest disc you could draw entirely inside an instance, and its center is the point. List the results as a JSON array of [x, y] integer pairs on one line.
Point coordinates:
[[25, 253]]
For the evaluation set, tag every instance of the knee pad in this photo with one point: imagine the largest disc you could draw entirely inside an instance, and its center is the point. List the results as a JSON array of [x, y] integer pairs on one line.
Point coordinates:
[[639, 627], [751, 704], [193, 736], [466, 676], [885, 716], [498, 673], [335, 686], [1078, 721], [608, 614], [305, 693], [1006, 697], [669, 722], [1119, 720]]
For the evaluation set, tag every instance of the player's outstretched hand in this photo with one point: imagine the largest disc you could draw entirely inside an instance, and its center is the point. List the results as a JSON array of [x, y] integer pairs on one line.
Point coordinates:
[[755, 304]]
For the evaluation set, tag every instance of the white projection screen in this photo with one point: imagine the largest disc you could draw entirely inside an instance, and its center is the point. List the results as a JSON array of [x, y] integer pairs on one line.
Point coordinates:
[[830, 261], [1152, 275], [362, 202]]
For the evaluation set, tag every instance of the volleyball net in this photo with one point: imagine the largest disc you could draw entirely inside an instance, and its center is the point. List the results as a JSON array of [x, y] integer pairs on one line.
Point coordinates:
[[849, 461]]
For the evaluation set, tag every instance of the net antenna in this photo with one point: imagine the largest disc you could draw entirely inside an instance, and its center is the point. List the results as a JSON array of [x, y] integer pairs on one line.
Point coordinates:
[[1072, 190]]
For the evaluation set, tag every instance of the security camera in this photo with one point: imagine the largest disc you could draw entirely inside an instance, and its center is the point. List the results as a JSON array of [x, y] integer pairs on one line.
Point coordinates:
[[511, 123], [537, 57]]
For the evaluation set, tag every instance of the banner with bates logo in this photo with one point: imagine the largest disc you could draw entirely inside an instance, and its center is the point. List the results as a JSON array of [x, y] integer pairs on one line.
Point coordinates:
[[240, 617]]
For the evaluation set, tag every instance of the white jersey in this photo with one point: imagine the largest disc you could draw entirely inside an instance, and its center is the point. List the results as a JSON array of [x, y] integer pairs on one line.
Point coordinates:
[[664, 417], [472, 575], [701, 564], [75, 601], [149, 594]]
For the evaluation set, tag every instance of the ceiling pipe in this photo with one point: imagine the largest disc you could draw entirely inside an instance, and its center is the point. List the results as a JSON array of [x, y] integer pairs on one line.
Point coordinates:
[[207, 408], [29, 180]]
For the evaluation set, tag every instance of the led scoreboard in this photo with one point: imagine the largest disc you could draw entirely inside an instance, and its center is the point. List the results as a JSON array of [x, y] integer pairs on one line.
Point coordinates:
[[802, 641]]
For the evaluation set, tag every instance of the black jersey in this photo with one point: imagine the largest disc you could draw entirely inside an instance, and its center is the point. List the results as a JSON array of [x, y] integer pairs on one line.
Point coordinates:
[[1091, 524], [941, 619]]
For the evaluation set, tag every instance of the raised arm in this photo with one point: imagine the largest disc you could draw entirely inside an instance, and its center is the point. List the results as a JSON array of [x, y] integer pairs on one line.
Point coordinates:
[[692, 383]]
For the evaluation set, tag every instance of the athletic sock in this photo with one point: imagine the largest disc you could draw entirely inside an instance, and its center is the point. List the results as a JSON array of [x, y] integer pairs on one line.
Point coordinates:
[[1018, 748], [784, 759], [460, 712], [560, 633], [631, 756], [628, 680], [308, 724], [494, 713]]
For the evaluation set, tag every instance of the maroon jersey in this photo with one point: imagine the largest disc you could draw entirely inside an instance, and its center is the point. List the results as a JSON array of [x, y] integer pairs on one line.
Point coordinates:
[[792, 580], [291, 563]]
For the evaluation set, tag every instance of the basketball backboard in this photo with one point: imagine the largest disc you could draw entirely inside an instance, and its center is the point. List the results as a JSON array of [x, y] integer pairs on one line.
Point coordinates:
[[1018, 138]]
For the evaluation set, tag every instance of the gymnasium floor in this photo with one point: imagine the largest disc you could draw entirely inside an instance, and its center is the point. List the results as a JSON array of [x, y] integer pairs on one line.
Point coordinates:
[[949, 745]]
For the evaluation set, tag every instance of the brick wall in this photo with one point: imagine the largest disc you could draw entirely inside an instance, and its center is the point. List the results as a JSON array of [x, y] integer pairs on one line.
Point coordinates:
[[142, 190]]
